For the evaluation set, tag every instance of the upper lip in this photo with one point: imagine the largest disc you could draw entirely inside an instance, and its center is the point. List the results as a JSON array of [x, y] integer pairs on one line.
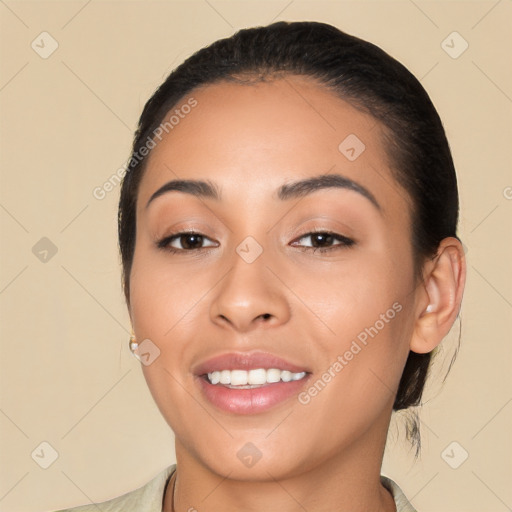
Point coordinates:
[[246, 361]]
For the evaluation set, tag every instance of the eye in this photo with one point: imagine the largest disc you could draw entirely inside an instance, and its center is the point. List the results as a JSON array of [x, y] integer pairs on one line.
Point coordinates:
[[192, 241], [325, 239], [189, 241]]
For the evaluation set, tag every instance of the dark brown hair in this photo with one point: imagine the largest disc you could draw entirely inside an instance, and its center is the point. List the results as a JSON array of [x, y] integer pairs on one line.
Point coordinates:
[[358, 72]]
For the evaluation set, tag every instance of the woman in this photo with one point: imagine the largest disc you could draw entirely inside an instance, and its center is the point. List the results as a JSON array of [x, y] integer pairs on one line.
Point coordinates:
[[287, 228]]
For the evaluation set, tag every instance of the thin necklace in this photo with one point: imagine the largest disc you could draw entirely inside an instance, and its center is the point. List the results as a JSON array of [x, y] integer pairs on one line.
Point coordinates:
[[173, 478]]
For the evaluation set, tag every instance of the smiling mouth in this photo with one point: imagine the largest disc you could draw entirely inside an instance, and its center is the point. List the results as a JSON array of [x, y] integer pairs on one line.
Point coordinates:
[[250, 382], [250, 379]]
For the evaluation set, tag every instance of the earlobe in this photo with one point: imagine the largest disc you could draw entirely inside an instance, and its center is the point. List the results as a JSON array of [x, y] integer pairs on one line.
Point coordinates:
[[439, 297]]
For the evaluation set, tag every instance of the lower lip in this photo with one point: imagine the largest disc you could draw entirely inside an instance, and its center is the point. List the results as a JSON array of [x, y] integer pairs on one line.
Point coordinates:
[[250, 401]]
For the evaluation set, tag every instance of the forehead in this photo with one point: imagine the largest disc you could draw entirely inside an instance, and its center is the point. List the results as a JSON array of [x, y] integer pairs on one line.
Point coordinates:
[[260, 135]]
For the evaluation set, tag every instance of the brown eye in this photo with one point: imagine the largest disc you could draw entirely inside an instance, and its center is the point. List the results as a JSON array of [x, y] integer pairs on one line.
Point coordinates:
[[186, 241], [323, 241], [191, 241]]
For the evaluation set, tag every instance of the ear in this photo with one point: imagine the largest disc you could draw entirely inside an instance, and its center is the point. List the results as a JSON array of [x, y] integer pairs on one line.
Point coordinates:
[[439, 296]]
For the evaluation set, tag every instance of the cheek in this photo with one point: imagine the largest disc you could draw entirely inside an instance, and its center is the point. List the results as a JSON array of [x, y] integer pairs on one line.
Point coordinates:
[[363, 328], [161, 293], [168, 307], [362, 367], [348, 296]]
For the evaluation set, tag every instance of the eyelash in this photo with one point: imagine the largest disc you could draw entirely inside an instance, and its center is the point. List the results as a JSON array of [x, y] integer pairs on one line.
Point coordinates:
[[344, 242]]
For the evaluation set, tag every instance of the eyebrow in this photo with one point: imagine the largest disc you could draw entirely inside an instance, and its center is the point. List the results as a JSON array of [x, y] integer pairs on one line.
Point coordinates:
[[208, 189]]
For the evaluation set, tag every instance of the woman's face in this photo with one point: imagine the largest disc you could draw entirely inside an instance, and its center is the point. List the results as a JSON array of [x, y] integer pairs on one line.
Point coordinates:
[[253, 284]]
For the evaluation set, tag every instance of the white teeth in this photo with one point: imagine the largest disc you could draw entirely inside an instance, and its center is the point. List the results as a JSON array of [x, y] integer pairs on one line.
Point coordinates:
[[225, 377], [238, 377], [256, 377], [286, 376], [273, 375]]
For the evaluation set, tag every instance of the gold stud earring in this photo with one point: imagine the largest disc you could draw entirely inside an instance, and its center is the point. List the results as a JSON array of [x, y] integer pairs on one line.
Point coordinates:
[[133, 343]]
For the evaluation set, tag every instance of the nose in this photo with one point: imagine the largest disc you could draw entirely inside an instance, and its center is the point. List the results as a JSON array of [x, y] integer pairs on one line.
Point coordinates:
[[249, 296]]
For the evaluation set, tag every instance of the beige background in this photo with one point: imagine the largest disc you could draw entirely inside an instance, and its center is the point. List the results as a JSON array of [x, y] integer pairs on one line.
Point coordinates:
[[67, 376]]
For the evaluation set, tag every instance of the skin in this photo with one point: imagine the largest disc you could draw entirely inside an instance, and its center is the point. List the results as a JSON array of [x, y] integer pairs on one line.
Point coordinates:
[[249, 140]]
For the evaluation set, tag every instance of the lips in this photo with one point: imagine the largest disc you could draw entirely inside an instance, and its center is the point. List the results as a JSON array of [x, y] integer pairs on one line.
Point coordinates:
[[258, 399], [247, 361]]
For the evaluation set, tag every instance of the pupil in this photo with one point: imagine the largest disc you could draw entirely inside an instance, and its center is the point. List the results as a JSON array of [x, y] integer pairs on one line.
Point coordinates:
[[324, 237], [197, 239]]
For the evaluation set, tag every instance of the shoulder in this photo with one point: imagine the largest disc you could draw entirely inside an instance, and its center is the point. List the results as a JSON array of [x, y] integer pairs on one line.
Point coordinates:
[[148, 498], [401, 502]]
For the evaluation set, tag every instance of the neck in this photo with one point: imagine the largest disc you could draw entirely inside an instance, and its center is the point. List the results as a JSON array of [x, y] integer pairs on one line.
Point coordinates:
[[347, 481]]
